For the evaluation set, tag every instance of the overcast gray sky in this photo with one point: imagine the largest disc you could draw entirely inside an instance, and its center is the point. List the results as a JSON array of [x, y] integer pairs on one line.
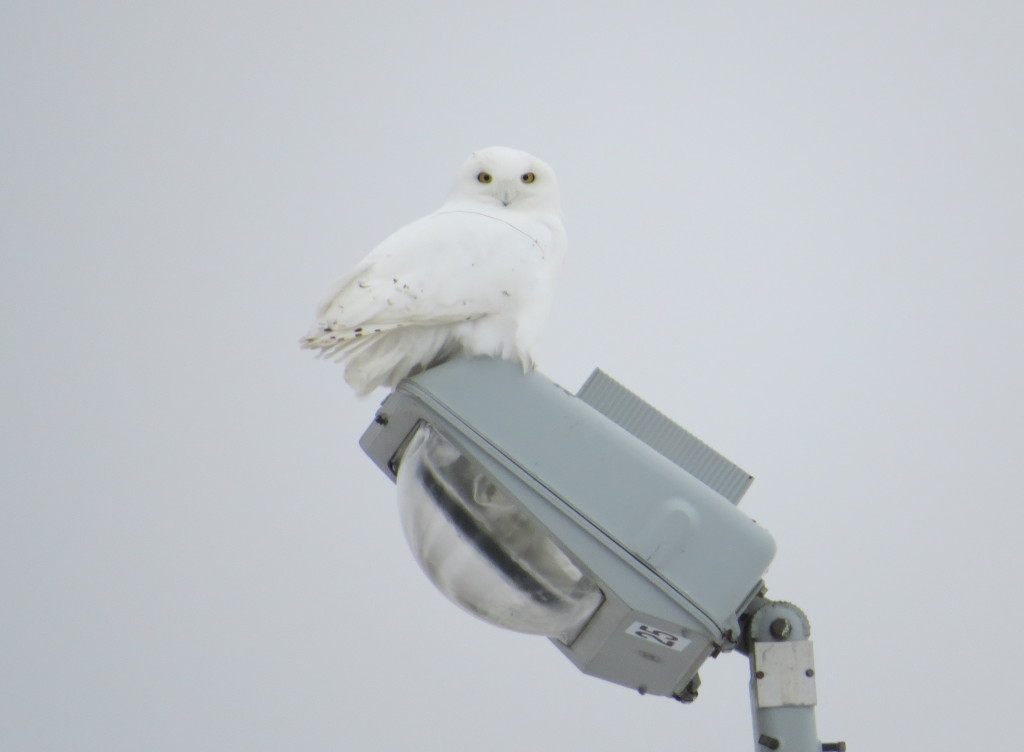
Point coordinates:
[[795, 227]]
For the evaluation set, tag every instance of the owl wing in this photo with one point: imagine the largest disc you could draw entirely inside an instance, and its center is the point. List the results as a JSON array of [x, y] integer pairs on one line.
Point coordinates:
[[449, 267]]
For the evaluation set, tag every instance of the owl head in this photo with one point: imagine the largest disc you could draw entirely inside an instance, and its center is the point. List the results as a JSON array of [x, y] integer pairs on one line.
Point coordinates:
[[506, 179]]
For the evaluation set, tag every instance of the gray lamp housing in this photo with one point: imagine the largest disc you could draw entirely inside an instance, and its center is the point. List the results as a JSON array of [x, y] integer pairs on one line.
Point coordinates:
[[645, 510]]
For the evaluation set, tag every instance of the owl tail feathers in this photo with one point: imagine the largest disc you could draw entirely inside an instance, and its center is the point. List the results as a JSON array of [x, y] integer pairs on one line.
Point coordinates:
[[381, 355], [388, 359]]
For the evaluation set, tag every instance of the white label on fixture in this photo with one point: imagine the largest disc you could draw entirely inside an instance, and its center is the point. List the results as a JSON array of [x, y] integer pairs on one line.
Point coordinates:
[[658, 636]]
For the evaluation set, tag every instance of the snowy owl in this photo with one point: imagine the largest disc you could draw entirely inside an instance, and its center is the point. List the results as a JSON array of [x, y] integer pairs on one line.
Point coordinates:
[[473, 278]]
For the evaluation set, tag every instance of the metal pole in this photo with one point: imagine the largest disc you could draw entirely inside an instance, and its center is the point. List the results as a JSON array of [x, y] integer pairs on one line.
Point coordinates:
[[782, 685]]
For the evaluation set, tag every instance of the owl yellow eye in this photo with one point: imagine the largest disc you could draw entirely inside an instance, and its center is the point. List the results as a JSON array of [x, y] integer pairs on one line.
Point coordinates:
[[484, 177], [528, 177]]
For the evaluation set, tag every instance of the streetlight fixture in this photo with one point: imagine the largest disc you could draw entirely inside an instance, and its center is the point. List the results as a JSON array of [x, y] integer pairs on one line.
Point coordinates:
[[596, 521]]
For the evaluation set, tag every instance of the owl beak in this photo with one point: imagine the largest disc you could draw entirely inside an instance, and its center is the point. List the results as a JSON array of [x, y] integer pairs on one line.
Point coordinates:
[[506, 197]]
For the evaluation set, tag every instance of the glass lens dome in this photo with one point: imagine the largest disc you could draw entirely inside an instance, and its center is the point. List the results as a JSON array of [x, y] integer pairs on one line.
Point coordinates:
[[482, 549]]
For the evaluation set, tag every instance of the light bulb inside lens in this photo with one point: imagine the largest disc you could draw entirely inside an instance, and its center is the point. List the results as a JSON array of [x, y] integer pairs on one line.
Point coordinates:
[[482, 549]]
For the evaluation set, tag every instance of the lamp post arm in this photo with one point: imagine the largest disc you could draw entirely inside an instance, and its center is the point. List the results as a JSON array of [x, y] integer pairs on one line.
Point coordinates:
[[783, 694]]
